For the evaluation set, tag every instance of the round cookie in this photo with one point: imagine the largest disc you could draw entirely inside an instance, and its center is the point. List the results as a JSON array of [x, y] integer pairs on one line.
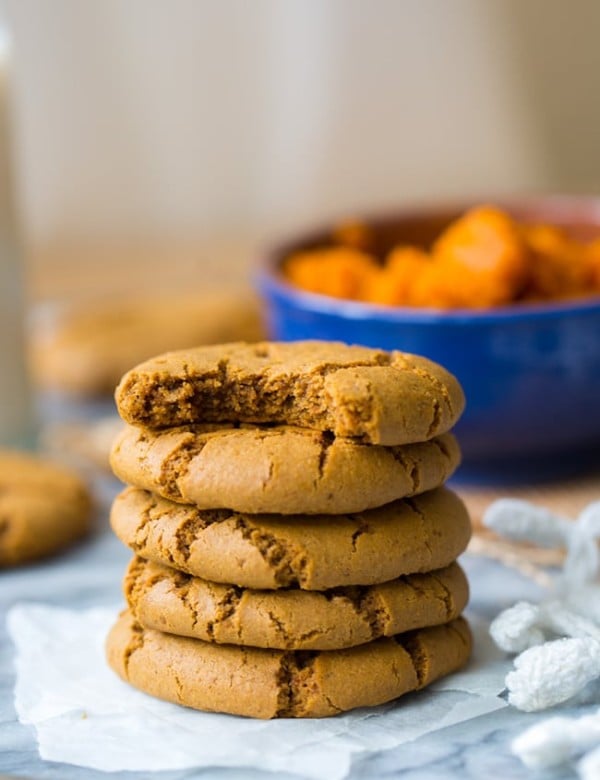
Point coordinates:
[[276, 684], [282, 469], [380, 397], [317, 552], [176, 603], [43, 508], [85, 351]]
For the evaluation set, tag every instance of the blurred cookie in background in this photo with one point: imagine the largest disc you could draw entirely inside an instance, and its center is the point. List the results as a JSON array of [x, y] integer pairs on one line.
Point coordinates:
[[44, 508], [84, 350], [82, 444]]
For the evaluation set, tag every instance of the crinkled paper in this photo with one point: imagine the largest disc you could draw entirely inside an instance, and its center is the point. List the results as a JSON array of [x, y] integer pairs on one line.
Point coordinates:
[[85, 715]]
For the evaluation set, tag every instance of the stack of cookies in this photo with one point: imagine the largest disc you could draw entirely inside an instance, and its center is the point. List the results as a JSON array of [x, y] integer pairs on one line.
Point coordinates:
[[294, 544]]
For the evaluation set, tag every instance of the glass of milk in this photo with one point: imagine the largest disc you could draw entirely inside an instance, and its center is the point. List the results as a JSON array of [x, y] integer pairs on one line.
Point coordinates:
[[16, 411]]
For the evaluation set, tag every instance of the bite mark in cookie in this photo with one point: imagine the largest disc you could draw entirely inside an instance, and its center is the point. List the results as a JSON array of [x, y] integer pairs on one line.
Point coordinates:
[[378, 397]]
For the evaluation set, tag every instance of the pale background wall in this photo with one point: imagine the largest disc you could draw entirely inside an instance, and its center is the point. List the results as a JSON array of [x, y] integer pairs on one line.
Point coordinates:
[[158, 119]]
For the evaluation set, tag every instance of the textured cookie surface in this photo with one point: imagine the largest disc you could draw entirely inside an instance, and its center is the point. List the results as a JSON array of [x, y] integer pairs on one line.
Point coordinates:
[[87, 351], [315, 552], [43, 508], [280, 469], [171, 601], [273, 683], [380, 397]]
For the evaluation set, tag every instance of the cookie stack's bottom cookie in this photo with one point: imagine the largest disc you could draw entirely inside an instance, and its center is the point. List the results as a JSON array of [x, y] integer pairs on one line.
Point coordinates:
[[271, 683], [281, 571]]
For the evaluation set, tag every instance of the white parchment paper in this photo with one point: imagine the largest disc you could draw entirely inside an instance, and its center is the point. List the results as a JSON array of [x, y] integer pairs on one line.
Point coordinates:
[[85, 715]]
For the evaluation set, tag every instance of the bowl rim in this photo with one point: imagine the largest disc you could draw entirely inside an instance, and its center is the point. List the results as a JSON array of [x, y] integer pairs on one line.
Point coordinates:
[[268, 281], [584, 209]]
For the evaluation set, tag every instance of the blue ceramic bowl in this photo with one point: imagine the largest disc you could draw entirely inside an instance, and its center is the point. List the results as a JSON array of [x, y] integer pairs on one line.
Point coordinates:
[[531, 373]]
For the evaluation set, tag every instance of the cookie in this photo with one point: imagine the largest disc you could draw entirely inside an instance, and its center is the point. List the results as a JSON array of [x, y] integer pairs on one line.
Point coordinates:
[[379, 397], [177, 603], [281, 469], [310, 552], [85, 351], [43, 508], [277, 684]]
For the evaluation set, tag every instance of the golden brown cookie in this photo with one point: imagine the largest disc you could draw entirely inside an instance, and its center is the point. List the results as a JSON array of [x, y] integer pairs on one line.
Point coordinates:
[[86, 351], [277, 684], [312, 552], [43, 508], [177, 603], [281, 469], [387, 398]]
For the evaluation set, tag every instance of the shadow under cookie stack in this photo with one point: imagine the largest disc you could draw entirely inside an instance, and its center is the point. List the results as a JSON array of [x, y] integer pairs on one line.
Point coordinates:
[[295, 549]]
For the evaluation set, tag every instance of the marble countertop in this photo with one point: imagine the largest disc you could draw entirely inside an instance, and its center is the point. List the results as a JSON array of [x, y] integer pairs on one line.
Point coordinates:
[[90, 575]]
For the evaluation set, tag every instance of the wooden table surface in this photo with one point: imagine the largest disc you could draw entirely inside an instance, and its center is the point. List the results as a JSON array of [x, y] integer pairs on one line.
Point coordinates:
[[78, 272]]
